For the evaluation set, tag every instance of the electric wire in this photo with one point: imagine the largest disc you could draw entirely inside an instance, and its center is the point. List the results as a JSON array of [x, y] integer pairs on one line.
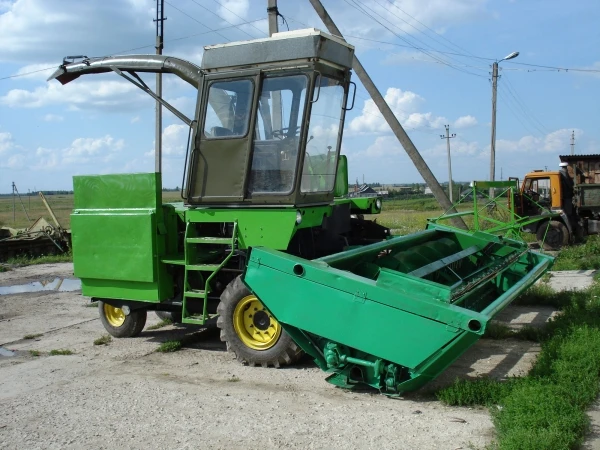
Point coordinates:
[[17, 75], [387, 10], [196, 20], [368, 14], [220, 17], [527, 112], [251, 24]]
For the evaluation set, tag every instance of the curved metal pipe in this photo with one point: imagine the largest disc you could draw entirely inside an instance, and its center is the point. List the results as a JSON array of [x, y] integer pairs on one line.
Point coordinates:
[[185, 70]]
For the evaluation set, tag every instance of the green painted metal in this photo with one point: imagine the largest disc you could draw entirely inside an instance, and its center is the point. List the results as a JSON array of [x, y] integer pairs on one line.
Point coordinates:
[[269, 227], [394, 315], [190, 265], [118, 233], [493, 214]]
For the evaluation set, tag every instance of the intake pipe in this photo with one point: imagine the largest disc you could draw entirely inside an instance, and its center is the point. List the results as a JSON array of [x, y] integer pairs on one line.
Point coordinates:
[[187, 71]]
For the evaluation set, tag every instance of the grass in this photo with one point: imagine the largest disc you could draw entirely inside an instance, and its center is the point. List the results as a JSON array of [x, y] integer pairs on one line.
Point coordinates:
[[169, 346], [4, 268], [161, 324], [91, 305], [580, 257], [32, 336], [45, 259], [60, 352], [233, 379], [104, 340], [35, 353], [546, 408]]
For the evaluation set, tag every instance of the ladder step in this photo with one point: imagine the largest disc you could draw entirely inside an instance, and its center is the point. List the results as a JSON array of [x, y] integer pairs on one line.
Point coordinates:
[[198, 320], [202, 267], [195, 293], [209, 240]]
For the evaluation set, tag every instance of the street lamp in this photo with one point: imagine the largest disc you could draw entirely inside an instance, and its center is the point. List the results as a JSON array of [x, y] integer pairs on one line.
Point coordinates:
[[494, 90]]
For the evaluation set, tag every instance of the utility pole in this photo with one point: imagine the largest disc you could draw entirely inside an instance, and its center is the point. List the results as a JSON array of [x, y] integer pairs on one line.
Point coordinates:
[[447, 136], [14, 202], [393, 122], [273, 13], [160, 19], [493, 143], [573, 142], [494, 92]]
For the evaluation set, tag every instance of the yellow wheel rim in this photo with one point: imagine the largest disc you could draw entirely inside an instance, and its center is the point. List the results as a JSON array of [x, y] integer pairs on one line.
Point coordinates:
[[114, 316], [254, 325]]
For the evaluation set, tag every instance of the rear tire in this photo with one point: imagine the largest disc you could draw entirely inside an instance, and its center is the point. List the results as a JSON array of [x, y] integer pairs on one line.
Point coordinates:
[[557, 235], [258, 340], [118, 324]]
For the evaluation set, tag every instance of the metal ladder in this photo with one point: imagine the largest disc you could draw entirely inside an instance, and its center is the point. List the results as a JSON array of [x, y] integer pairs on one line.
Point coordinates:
[[192, 245]]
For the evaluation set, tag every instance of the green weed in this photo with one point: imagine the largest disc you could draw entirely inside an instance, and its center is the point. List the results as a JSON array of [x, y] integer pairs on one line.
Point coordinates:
[[580, 257], [161, 324], [169, 346], [35, 352], [104, 340], [4, 268], [60, 352], [32, 336]]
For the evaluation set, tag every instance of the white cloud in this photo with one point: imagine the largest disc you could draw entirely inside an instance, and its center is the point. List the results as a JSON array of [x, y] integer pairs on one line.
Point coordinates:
[[135, 119], [556, 142], [404, 105], [110, 95], [53, 118], [174, 141], [465, 122], [11, 155], [42, 30], [6, 142]]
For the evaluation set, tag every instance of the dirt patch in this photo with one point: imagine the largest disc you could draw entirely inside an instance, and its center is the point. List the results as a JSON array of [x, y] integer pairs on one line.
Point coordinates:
[[125, 395]]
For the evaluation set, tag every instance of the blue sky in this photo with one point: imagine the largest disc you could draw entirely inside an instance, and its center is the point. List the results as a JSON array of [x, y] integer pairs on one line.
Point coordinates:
[[430, 58]]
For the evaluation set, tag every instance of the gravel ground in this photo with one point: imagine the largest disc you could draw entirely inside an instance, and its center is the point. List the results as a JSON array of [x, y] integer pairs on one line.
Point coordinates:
[[125, 395]]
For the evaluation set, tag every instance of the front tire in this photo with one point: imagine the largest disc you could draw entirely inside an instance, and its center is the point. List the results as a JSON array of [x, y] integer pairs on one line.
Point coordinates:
[[556, 237], [251, 332], [118, 324]]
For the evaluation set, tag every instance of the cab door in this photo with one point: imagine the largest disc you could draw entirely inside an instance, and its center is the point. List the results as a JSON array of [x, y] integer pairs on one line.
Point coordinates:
[[219, 160]]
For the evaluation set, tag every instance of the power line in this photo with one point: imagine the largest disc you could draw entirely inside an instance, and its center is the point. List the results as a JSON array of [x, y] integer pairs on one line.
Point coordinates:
[[138, 48], [251, 24], [360, 9], [415, 19], [387, 10], [222, 18], [196, 20], [566, 69], [528, 112]]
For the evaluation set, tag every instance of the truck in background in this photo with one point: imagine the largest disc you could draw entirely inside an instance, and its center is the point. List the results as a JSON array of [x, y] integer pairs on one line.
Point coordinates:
[[565, 217]]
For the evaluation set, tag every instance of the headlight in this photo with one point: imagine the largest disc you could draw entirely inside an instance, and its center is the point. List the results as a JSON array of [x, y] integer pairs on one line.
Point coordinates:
[[298, 217], [378, 203]]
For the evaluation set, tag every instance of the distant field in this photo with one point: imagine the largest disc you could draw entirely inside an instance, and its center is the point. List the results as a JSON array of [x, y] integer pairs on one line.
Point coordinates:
[[62, 205], [402, 216]]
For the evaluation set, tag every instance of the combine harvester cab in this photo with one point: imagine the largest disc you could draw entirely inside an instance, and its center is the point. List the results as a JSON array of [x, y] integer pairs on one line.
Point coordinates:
[[395, 314]]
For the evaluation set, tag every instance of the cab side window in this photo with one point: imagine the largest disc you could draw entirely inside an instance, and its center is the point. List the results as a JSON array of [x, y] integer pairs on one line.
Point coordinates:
[[228, 109]]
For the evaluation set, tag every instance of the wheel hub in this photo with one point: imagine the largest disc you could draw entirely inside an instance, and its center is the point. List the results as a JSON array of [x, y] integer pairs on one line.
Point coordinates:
[[254, 325], [115, 316]]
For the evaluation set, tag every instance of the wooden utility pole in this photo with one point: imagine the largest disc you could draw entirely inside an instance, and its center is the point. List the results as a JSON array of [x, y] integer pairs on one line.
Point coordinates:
[[393, 122], [160, 19], [449, 136], [273, 13]]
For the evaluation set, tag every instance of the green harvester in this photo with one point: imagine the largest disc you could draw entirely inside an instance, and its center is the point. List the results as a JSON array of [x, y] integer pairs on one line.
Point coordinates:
[[268, 241]]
